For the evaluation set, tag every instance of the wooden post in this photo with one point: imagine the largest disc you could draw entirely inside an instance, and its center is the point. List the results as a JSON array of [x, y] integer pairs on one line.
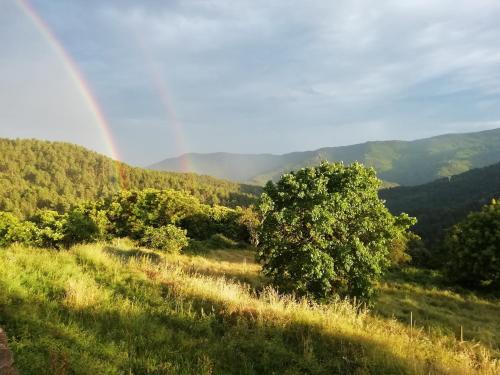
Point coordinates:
[[461, 334], [411, 325]]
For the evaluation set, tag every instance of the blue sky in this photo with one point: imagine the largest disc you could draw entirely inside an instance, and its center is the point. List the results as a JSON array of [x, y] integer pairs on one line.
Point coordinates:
[[251, 76]]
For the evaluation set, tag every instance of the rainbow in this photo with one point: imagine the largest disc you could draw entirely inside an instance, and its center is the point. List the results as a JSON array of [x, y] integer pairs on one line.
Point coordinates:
[[79, 80], [168, 108]]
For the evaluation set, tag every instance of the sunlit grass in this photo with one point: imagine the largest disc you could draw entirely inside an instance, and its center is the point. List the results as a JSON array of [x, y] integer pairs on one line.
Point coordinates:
[[437, 308], [114, 309]]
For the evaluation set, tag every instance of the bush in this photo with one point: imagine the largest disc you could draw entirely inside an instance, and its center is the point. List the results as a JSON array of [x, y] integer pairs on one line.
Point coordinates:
[[132, 212], [48, 228], [79, 227], [168, 238], [13, 230], [325, 232], [473, 249], [7, 222]]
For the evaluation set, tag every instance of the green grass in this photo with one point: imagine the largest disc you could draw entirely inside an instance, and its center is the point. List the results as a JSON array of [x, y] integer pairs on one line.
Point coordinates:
[[438, 308], [116, 309]]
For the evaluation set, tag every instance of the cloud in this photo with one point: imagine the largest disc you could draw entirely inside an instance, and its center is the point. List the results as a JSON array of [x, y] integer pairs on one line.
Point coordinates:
[[38, 98], [323, 73]]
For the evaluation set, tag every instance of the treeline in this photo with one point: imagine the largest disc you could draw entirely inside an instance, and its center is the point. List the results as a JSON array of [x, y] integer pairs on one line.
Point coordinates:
[[38, 174], [441, 204], [164, 219]]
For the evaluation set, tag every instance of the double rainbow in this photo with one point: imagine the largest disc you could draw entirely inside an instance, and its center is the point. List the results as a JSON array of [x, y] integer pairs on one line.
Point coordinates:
[[88, 96]]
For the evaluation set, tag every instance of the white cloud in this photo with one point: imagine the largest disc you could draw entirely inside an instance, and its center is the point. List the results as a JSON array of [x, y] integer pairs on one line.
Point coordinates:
[[405, 65]]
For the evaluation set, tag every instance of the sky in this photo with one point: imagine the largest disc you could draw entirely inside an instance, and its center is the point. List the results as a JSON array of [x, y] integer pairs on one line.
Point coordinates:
[[247, 76]]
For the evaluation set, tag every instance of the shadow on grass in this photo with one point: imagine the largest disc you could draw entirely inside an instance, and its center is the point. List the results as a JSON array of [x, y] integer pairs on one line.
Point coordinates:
[[170, 333]]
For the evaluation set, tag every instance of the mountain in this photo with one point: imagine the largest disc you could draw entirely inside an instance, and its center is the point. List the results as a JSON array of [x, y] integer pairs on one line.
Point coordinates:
[[440, 204], [397, 162], [41, 174]]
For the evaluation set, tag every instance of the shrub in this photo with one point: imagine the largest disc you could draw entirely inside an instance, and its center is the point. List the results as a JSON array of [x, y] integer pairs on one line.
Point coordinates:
[[7, 222], [79, 227], [473, 249], [48, 228], [325, 232], [168, 238], [13, 230]]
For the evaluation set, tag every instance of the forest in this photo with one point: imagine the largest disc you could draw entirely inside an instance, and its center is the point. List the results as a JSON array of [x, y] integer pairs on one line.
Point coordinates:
[[441, 204], [38, 174]]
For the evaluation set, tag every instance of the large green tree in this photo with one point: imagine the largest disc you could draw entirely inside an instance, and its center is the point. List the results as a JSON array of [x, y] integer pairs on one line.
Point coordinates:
[[473, 249], [325, 231]]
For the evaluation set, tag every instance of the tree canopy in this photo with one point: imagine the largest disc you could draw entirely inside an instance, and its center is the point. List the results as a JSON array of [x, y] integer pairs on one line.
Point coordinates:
[[38, 174], [473, 249], [325, 231]]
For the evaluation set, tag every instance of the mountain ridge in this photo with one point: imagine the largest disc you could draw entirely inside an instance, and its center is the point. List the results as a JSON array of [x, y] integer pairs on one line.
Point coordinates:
[[401, 162]]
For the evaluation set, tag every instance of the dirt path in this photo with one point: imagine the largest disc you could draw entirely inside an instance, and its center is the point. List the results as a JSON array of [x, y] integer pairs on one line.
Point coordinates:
[[6, 357]]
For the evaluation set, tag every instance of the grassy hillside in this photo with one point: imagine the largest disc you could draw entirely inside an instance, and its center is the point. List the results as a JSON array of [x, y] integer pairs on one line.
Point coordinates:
[[114, 309], [440, 204], [40, 174], [403, 163]]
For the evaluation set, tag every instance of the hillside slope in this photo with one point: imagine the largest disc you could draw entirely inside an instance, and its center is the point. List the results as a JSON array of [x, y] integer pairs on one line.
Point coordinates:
[[400, 162], [441, 203], [40, 174], [116, 309]]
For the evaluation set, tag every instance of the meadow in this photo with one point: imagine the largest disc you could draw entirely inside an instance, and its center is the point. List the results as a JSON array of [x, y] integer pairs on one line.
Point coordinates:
[[113, 308]]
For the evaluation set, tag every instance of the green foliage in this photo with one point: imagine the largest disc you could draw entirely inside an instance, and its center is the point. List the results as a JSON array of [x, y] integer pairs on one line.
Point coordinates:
[[7, 222], [49, 228], [249, 218], [53, 175], [168, 238], [441, 204], [134, 214], [131, 212], [418, 252], [402, 247], [325, 231], [12, 230], [80, 226], [473, 249]]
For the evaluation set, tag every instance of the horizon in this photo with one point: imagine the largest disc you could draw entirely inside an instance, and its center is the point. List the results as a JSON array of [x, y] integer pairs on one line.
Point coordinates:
[[256, 154], [146, 82]]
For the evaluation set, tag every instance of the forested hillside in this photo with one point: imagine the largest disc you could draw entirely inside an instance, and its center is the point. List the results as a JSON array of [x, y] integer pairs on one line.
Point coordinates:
[[440, 204], [399, 162], [40, 174]]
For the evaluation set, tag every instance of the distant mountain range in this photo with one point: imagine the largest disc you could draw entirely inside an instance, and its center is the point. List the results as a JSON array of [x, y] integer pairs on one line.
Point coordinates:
[[397, 162], [39, 174]]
